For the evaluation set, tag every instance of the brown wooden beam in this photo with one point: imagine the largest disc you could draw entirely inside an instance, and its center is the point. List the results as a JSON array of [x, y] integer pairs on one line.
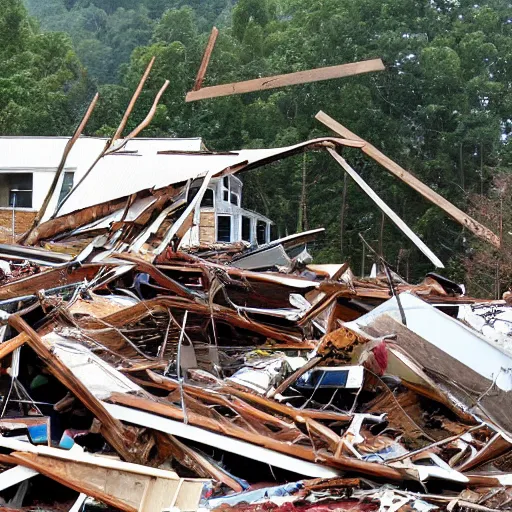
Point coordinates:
[[25, 239], [300, 77], [206, 59], [112, 429], [454, 212]]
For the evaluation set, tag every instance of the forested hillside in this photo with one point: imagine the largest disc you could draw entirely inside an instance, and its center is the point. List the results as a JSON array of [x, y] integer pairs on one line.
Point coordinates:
[[442, 108]]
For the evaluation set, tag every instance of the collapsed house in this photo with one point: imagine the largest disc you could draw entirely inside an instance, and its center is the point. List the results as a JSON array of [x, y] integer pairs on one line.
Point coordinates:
[[149, 362], [29, 165], [145, 372]]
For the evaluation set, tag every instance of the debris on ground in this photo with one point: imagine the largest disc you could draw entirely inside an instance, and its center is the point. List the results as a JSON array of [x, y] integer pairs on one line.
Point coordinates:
[[140, 374]]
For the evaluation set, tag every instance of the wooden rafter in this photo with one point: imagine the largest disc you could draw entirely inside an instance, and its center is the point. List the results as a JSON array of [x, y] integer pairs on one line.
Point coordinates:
[[398, 171], [300, 77], [206, 59], [387, 210]]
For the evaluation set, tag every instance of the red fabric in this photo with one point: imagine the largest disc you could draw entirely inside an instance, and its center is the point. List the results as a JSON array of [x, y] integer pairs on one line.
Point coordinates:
[[380, 352]]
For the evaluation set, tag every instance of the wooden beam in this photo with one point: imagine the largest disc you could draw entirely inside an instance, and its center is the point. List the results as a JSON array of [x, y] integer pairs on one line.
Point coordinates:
[[136, 94], [462, 218], [300, 77], [387, 210], [60, 169], [206, 59], [112, 429]]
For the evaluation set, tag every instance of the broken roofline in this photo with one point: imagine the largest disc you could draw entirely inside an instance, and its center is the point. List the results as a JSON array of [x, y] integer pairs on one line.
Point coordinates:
[[169, 174]]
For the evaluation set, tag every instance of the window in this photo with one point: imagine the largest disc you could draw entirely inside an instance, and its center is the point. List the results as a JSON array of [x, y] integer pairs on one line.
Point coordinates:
[[261, 232], [246, 228], [233, 198], [223, 228], [16, 189], [207, 200], [225, 181], [225, 195], [274, 235], [67, 185]]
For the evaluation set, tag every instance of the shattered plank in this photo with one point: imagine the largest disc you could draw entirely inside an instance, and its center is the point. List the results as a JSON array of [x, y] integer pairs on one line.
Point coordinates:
[[112, 429], [300, 77], [387, 210], [206, 59], [301, 452], [398, 171], [26, 238]]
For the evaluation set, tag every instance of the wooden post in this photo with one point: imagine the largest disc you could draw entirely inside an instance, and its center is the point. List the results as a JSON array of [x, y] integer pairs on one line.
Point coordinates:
[[454, 212], [112, 429], [381, 235], [206, 59], [342, 215], [60, 168]]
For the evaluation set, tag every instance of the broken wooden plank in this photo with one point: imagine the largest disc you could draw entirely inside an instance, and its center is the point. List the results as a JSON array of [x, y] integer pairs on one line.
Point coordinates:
[[30, 285], [143, 125], [299, 77], [201, 466], [387, 210], [206, 59], [26, 238], [135, 97], [113, 430], [398, 171], [129, 487]]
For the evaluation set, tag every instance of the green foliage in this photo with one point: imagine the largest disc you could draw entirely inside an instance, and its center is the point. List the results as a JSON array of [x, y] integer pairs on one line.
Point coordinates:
[[442, 108], [43, 86]]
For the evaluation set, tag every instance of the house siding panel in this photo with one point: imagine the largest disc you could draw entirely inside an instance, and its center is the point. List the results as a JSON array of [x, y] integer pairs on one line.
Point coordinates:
[[207, 227], [23, 221]]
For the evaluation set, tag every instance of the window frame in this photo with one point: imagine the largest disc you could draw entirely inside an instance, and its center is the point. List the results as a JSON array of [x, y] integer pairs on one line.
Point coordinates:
[[260, 222], [217, 238], [12, 187], [249, 239]]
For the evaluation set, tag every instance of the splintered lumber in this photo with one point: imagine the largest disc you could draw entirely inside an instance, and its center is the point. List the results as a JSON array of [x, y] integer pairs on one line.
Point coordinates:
[[206, 59], [301, 452], [117, 134], [112, 429], [144, 124], [159, 277], [47, 280], [136, 94], [300, 77], [387, 210], [26, 238], [398, 171], [128, 487], [200, 465]]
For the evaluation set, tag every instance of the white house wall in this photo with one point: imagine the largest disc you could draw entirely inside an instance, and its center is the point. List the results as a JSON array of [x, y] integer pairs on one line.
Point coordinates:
[[221, 207]]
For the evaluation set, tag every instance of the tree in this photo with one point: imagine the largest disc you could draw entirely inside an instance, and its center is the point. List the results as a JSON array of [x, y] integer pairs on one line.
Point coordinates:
[[43, 85]]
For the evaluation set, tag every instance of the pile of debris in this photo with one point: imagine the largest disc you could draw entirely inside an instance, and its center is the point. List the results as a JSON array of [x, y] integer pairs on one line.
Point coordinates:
[[150, 380], [139, 375]]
